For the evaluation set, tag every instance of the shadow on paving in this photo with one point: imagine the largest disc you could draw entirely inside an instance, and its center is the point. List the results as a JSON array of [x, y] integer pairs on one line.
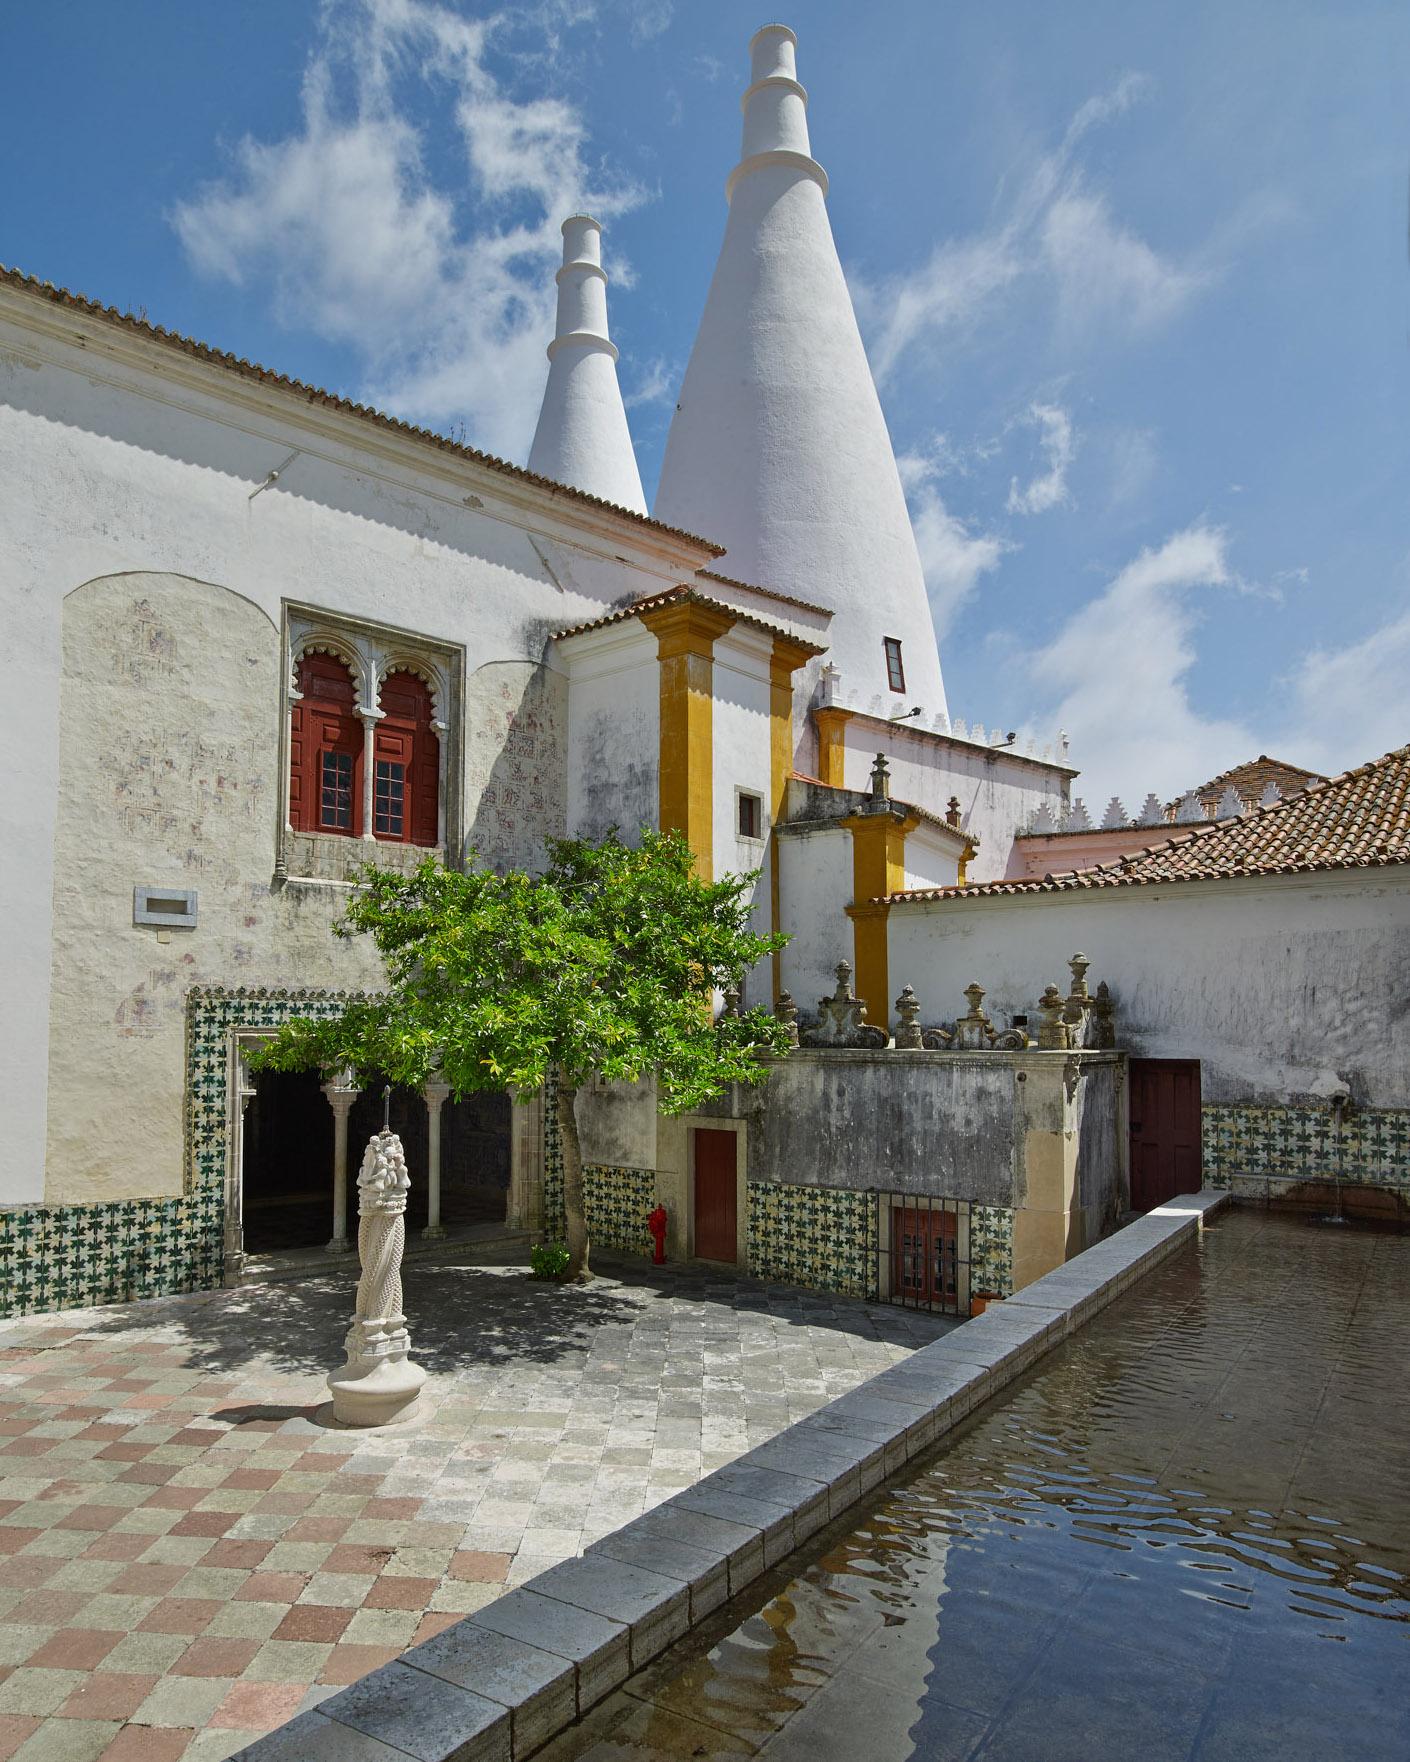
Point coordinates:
[[460, 1317]]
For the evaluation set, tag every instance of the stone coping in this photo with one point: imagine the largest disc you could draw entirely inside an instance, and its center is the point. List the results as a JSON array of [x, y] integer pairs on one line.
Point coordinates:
[[498, 1685]]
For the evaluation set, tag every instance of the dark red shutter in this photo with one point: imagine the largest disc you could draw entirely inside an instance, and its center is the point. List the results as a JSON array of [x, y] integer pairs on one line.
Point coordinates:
[[405, 737], [325, 720]]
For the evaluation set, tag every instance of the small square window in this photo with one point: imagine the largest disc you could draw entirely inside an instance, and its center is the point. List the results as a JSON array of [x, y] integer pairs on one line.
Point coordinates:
[[389, 801], [335, 807], [751, 816], [895, 672]]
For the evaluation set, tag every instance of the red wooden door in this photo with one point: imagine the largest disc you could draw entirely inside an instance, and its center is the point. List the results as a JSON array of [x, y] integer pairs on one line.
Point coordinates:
[[924, 1257], [1165, 1130], [716, 1195]]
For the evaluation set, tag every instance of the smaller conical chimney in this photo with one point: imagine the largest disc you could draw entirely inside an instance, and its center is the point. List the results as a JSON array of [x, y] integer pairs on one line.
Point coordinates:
[[582, 437]]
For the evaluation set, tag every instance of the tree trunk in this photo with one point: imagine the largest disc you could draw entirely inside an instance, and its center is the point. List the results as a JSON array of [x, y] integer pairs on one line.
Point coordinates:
[[574, 1214]]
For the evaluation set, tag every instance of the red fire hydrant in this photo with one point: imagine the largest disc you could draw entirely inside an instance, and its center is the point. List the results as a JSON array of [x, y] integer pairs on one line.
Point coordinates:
[[656, 1223]]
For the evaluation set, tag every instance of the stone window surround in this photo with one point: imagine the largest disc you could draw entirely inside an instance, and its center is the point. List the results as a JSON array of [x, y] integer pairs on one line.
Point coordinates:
[[371, 650]]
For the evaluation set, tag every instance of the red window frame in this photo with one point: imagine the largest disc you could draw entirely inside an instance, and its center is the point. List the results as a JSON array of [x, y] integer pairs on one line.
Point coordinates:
[[406, 777], [895, 671], [325, 731]]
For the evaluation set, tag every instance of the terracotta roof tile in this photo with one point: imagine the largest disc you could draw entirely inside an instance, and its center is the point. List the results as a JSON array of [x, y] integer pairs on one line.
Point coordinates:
[[1358, 820], [768, 593], [312, 394], [685, 592]]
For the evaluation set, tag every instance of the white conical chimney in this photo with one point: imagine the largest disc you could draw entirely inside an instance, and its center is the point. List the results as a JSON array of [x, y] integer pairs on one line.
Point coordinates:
[[778, 447], [582, 438]]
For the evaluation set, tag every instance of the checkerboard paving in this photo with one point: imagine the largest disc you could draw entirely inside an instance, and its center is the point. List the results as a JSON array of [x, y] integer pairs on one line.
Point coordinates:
[[189, 1555]]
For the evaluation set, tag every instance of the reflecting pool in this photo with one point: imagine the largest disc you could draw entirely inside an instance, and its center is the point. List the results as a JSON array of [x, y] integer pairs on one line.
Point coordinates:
[[1186, 1534]]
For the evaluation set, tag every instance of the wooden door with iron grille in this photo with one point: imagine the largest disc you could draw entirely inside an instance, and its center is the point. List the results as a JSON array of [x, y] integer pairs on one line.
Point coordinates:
[[925, 1257]]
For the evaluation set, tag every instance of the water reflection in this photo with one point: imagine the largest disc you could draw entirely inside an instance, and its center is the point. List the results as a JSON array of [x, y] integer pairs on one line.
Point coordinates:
[[1186, 1535]]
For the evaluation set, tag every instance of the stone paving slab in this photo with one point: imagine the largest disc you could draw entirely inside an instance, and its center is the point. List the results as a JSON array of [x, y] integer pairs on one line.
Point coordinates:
[[188, 1558]]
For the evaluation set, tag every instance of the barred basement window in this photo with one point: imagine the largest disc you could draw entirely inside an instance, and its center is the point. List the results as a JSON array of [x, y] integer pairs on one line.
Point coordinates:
[[335, 805], [389, 802], [895, 673]]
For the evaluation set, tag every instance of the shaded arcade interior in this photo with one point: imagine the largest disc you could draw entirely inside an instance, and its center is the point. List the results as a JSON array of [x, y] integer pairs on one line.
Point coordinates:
[[288, 1158]]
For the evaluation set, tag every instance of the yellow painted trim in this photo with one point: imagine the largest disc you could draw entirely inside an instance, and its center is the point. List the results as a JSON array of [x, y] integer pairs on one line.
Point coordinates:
[[787, 657], [878, 869], [831, 725], [685, 633]]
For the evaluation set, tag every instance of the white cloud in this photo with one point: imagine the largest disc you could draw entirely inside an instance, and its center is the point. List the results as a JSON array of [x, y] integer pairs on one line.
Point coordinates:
[[1051, 228], [1057, 441], [1135, 459], [1116, 674], [655, 384], [1349, 704], [953, 556], [446, 297]]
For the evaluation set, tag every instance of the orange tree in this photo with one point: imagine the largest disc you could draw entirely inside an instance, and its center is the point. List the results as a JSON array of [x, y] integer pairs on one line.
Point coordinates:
[[606, 965]]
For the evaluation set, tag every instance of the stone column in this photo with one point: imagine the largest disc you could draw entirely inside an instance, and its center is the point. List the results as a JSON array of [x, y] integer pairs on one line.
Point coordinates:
[[370, 719], [378, 1384], [437, 1094], [525, 1211], [341, 1093]]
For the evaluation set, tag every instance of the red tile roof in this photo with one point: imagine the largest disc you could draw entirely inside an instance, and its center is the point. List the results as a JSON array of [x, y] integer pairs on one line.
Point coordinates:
[[768, 593], [1356, 821], [685, 592], [312, 394]]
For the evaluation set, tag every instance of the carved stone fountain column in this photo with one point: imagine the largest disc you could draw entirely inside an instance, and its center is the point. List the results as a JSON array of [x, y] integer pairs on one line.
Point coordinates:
[[379, 1384]]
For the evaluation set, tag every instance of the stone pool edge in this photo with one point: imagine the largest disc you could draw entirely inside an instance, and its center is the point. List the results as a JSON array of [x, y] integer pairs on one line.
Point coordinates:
[[500, 1684]]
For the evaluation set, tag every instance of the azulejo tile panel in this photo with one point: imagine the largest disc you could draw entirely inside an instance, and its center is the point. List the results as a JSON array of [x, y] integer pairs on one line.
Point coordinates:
[[1303, 1144], [816, 1236], [618, 1202], [71, 1256], [991, 1250]]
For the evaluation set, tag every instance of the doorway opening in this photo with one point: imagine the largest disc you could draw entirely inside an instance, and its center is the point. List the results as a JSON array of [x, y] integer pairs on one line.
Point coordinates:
[[1164, 1116], [716, 1195], [288, 1163]]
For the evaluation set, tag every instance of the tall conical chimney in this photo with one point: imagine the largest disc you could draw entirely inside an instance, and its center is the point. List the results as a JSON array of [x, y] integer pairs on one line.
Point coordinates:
[[778, 447], [582, 437]]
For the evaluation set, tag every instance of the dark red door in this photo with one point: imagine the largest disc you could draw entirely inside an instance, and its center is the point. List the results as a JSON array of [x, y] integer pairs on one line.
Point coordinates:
[[716, 1196], [924, 1257], [1165, 1130]]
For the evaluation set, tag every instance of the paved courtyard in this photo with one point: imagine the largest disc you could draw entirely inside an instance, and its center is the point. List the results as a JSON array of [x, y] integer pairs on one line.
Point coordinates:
[[189, 1557]]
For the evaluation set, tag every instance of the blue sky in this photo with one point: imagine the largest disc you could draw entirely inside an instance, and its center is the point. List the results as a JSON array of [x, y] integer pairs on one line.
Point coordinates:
[[1133, 281]]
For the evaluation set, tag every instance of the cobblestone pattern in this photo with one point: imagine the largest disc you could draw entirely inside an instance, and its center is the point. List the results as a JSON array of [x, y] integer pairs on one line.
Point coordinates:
[[187, 1558]]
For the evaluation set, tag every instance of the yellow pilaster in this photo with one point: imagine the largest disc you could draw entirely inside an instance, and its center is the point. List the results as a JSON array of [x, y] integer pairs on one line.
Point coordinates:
[[878, 869], [787, 657], [831, 725], [685, 633]]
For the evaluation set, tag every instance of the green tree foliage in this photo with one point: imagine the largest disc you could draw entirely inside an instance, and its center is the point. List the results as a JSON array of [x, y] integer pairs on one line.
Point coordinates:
[[605, 965]]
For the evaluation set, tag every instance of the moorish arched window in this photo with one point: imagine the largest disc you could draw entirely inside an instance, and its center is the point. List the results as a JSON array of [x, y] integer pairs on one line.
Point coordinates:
[[406, 777], [325, 749]]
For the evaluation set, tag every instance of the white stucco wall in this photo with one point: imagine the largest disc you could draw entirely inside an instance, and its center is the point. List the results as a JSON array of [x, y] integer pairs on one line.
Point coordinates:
[[1271, 983], [614, 730], [998, 791], [930, 858], [742, 759], [816, 880], [119, 454]]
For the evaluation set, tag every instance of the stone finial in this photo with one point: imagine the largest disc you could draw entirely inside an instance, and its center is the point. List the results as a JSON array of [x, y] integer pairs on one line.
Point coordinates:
[[958, 728], [1078, 819], [974, 1031], [1190, 809], [1078, 966], [908, 1034], [841, 1018], [880, 781], [1103, 1017], [1043, 821], [787, 1012], [1053, 1033], [942, 722], [952, 811], [1230, 805], [978, 735], [1271, 796], [734, 1001], [1062, 743], [379, 1385], [1115, 816], [1152, 811], [830, 684]]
